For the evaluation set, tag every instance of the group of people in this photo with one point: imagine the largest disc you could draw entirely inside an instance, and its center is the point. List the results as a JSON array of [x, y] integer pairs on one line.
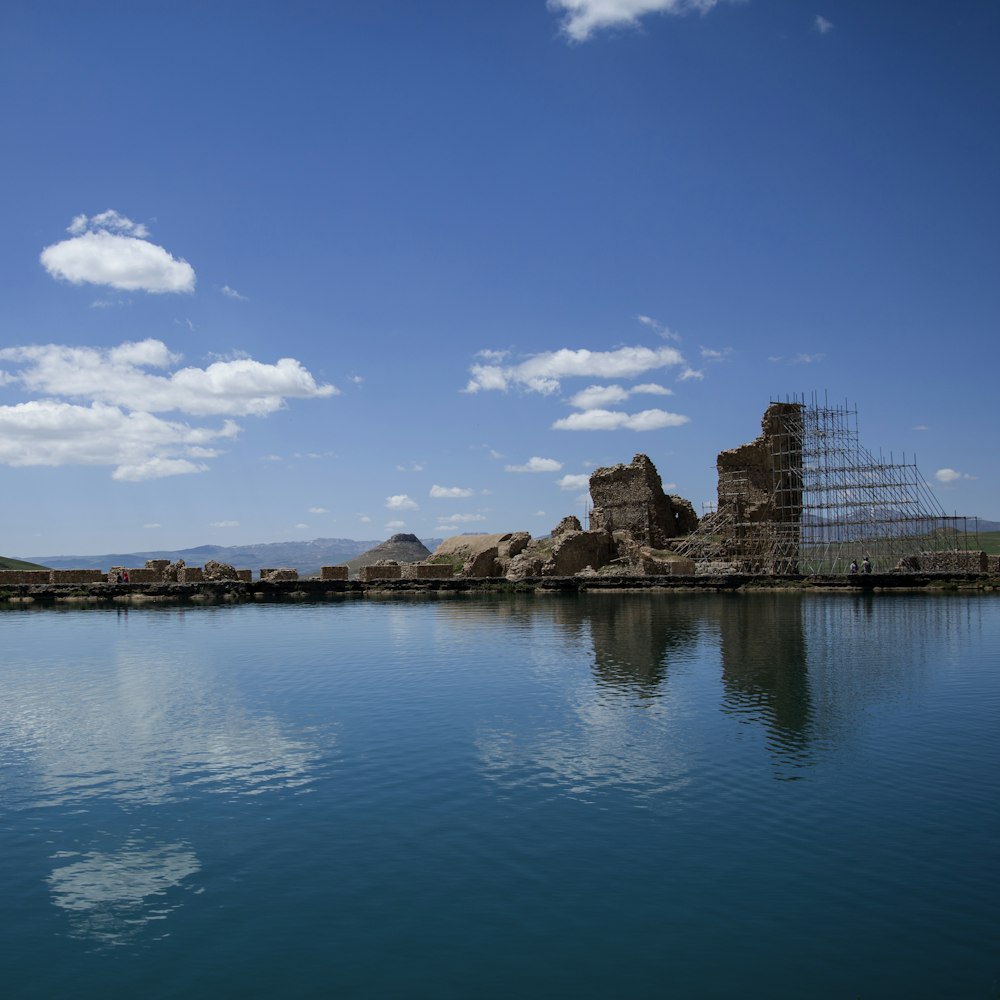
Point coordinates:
[[122, 577], [866, 565]]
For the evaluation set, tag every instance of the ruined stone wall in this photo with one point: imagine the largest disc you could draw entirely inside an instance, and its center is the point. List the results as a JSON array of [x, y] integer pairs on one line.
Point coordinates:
[[25, 576], [630, 498], [762, 480], [392, 571], [76, 576], [427, 571], [760, 495], [190, 574], [334, 572], [947, 562]]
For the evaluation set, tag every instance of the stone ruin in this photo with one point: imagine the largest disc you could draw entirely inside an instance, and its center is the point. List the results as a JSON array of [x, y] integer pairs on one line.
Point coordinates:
[[630, 527], [755, 527], [630, 498]]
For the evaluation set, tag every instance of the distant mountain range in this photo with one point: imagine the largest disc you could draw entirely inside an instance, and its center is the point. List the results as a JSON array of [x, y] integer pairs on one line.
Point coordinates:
[[306, 557]]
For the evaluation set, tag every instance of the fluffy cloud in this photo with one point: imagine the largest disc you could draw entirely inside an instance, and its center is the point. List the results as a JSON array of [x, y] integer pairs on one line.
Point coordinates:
[[242, 387], [401, 502], [951, 475], [231, 293], [110, 249], [572, 482], [542, 372], [450, 492], [581, 18], [613, 420], [139, 445], [99, 406], [536, 464], [598, 396], [822, 25]]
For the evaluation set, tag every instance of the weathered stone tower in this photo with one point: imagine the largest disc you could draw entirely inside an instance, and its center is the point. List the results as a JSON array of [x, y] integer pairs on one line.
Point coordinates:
[[630, 498]]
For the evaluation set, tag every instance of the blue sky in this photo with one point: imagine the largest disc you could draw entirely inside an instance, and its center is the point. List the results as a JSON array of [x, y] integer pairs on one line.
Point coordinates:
[[285, 271]]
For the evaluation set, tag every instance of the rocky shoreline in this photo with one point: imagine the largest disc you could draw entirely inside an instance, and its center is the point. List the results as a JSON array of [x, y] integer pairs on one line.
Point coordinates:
[[265, 591]]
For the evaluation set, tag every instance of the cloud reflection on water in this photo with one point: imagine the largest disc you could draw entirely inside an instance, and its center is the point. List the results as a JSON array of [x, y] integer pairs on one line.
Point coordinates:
[[113, 896]]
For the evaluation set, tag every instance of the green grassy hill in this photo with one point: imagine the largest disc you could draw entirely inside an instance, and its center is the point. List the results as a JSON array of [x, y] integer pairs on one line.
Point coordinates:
[[989, 542], [6, 563]]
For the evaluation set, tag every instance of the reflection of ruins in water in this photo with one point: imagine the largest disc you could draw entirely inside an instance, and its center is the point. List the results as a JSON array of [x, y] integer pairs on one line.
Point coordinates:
[[806, 668], [765, 670], [636, 640]]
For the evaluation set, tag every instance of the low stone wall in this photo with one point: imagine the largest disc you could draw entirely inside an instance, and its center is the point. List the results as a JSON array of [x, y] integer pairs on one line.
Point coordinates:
[[190, 574], [426, 571], [25, 576], [368, 573], [76, 576], [947, 562], [246, 575], [333, 572]]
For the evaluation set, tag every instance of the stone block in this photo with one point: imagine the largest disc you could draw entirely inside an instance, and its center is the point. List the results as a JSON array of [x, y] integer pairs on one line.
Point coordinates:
[[369, 573], [190, 574], [333, 572]]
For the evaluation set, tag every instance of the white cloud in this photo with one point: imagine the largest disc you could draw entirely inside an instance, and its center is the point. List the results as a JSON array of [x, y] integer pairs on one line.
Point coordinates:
[[110, 249], [415, 467], [712, 354], [542, 372], [921, 427], [492, 355], [318, 510], [242, 387], [690, 373], [664, 331], [456, 519], [224, 524], [450, 492], [99, 405], [231, 293], [364, 519], [581, 18], [950, 475], [822, 25], [301, 527], [536, 464], [612, 420], [601, 396], [401, 502], [800, 359], [595, 396], [393, 525], [52, 433], [152, 524], [573, 482]]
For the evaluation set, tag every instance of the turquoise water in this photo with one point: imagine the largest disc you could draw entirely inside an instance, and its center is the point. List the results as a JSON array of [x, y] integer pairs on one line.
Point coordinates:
[[593, 796]]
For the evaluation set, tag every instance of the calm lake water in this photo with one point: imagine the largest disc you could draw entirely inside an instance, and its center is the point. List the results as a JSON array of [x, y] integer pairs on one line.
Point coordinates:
[[593, 796]]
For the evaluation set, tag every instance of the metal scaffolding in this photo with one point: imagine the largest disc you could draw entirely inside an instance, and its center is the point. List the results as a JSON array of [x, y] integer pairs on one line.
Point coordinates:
[[814, 500]]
